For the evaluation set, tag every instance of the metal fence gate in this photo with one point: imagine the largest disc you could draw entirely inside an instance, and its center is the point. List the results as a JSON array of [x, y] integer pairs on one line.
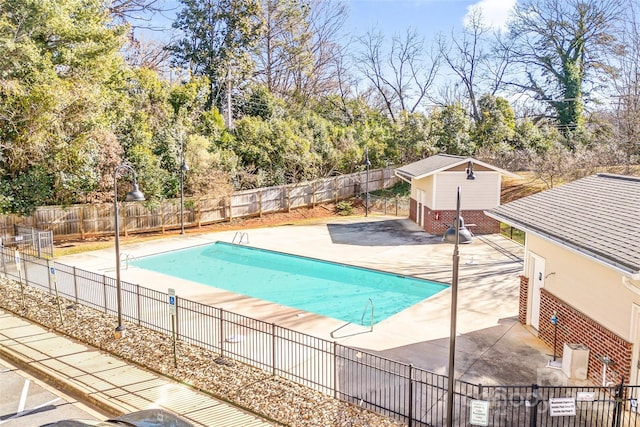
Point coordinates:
[[31, 241]]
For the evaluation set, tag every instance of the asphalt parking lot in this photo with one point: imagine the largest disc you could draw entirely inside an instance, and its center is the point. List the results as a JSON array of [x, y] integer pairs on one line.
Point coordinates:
[[26, 401]]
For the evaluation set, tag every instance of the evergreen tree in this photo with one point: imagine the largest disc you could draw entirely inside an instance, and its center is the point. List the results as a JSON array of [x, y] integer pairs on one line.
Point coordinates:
[[219, 38], [58, 73]]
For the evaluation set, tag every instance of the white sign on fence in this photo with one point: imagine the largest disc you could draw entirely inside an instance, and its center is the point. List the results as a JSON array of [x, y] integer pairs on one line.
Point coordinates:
[[172, 301], [562, 406], [479, 413], [17, 258], [585, 396]]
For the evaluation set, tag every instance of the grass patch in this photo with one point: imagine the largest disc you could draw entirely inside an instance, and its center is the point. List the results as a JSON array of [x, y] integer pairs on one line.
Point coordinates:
[[399, 189], [512, 233]]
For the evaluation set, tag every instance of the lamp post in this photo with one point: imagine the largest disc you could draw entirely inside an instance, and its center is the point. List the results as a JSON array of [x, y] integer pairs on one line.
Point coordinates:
[[366, 185], [454, 310], [183, 169], [135, 195]]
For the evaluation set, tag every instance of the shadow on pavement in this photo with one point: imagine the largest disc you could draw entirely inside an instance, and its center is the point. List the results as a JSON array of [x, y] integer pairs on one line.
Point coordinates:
[[380, 233]]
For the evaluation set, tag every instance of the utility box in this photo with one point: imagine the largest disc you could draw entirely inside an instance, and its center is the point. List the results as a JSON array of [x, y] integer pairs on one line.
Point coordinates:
[[575, 361]]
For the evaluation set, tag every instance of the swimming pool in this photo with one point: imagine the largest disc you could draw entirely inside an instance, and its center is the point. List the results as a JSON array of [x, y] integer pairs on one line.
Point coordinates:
[[330, 289]]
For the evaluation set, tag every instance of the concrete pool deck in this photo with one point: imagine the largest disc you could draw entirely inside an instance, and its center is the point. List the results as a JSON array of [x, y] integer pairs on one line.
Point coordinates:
[[492, 347]]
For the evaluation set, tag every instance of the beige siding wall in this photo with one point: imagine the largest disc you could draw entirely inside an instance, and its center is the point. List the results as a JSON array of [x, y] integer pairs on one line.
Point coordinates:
[[590, 287], [426, 185], [479, 194], [441, 189]]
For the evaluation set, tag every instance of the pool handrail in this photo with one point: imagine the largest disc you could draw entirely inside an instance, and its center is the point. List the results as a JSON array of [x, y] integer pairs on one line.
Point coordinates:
[[125, 258], [364, 313], [240, 235]]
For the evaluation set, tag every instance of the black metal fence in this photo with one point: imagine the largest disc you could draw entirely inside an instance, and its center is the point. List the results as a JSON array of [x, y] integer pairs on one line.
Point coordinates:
[[398, 206], [398, 390], [30, 240]]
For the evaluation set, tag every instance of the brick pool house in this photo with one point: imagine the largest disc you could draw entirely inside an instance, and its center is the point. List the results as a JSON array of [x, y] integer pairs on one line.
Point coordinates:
[[582, 265], [434, 182]]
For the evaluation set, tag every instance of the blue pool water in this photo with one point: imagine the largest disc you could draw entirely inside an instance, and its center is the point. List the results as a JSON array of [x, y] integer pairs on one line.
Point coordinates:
[[326, 288]]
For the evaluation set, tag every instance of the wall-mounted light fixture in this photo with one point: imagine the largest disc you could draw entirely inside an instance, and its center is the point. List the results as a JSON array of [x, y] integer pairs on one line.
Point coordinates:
[[470, 175]]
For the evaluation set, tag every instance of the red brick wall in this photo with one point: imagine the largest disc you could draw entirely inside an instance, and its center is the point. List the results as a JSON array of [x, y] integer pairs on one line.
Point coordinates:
[[413, 209], [437, 222], [576, 327], [524, 295]]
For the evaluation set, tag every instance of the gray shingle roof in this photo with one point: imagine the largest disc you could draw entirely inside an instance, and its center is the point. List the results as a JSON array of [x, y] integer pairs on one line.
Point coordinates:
[[431, 164], [598, 216], [440, 162]]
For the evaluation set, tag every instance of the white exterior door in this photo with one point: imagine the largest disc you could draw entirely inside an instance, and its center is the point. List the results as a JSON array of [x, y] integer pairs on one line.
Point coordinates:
[[635, 336], [537, 283], [420, 213]]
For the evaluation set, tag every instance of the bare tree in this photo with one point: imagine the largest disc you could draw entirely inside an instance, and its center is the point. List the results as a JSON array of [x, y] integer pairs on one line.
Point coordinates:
[[298, 49], [126, 11], [478, 57], [147, 54], [561, 45], [402, 75], [326, 19], [285, 35], [626, 86], [553, 164]]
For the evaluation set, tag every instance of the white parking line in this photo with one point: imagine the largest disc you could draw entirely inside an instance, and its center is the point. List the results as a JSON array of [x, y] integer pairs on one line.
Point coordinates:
[[23, 397], [20, 414]]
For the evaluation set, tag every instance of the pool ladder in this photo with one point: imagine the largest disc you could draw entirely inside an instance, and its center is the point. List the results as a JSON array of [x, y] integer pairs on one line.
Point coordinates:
[[364, 313], [240, 235], [125, 258]]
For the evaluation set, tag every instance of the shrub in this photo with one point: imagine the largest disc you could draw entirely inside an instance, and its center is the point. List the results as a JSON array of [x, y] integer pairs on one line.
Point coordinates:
[[344, 208]]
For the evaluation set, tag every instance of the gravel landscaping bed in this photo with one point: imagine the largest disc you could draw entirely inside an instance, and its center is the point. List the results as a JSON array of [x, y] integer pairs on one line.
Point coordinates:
[[253, 389]]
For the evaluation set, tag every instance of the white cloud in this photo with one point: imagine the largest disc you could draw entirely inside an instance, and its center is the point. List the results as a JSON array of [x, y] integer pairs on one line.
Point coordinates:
[[495, 13]]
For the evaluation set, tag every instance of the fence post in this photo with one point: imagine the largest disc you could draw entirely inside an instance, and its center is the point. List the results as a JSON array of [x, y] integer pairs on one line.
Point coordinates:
[[410, 405], [104, 288], [273, 349], [139, 304], [533, 415], [37, 234], [26, 267], [259, 203], [177, 319], [81, 215], [4, 264], [221, 333], [335, 372], [75, 284], [48, 275], [617, 409], [313, 194], [162, 226], [124, 211]]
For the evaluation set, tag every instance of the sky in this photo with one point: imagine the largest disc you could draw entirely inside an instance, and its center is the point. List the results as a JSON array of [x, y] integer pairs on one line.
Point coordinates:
[[427, 17]]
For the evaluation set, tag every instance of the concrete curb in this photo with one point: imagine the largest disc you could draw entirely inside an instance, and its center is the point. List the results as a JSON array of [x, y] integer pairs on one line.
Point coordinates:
[[49, 376]]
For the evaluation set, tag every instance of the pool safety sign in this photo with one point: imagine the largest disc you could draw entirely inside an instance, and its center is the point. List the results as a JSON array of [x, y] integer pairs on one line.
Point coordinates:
[[479, 413], [172, 301], [562, 406]]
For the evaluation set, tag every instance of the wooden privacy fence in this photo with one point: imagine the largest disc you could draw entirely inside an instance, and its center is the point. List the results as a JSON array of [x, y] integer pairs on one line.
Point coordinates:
[[82, 221]]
